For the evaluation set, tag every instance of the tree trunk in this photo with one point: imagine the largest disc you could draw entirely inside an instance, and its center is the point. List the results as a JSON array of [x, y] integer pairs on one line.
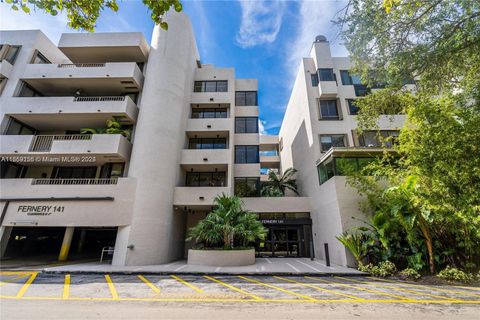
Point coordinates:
[[429, 243]]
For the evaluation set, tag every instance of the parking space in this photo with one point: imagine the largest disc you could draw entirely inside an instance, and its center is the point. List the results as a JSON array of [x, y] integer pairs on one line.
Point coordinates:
[[228, 289]]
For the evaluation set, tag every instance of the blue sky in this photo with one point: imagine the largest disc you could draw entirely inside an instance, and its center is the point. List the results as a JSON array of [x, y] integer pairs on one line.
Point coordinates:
[[260, 39]]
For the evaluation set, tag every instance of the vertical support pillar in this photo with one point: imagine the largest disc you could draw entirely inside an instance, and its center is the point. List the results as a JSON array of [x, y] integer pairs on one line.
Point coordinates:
[[81, 242], [67, 241], [4, 237]]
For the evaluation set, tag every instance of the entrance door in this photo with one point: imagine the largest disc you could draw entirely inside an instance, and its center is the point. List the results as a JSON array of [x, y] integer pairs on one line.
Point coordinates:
[[281, 242]]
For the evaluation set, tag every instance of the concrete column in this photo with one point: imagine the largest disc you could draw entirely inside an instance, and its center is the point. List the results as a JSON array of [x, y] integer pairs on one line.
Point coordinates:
[[4, 237], [156, 233], [81, 241], [67, 241]]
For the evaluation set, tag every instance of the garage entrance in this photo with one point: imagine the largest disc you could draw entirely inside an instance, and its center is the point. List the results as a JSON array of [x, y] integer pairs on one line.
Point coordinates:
[[45, 243]]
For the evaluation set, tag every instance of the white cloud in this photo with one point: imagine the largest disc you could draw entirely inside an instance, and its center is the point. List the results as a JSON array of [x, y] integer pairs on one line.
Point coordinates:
[[261, 126], [261, 22], [52, 26], [314, 19]]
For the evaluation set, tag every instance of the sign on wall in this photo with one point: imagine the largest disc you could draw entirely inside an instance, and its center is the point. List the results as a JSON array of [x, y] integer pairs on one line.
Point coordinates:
[[43, 210]]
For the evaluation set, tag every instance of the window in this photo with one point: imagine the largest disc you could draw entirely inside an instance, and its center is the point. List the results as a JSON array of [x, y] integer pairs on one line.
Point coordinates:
[[247, 154], [207, 143], [209, 113], [211, 86], [340, 166], [352, 108], [348, 79], [74, 172], [361, 90], [332, 140], [378, 138], [246, 125], [247, 187], [110, 170], [314, 80], [3, 83], [326, 75], [39, 58], [15, 127], [246, 98], [27, 91], [11, 170], [329, 110], [325, 171], [9, 53], [205, 179]]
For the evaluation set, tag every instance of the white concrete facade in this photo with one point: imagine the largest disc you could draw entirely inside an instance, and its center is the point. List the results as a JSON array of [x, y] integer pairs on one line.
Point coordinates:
[[320, 78], [189, 132]]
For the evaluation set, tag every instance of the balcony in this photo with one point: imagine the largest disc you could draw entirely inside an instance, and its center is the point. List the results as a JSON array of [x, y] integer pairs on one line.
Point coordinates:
[[5, 69], [209, 125], [269, 161], [72, 113], [205, 156], [109, 204], [197, 196], [101, 47], [328, 88], [91, 79], [61, 149]]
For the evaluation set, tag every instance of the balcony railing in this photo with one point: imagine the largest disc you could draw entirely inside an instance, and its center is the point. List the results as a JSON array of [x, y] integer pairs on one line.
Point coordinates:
[[81, 65], [75, 181], [94, 99], [43, 143]]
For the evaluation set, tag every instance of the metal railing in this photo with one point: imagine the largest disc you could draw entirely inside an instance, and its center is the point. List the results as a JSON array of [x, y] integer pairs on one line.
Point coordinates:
[[43, 143], [75, 181], [81, 65], [92, 99]]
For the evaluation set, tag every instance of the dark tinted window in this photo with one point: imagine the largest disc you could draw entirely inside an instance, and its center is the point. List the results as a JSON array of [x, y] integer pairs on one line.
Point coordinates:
[[205, 179], [326, 75], [247, 187], [314, 80], [246, 98], [328, 109], [345, 75], [207, 143], [246, 125], [211, 86], [209, 113], [74, 172], [246, 154], [352, 107], [333, 140]]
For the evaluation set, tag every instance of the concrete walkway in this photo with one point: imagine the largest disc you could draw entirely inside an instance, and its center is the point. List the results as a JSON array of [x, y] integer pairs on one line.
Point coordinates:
[[266, 266]]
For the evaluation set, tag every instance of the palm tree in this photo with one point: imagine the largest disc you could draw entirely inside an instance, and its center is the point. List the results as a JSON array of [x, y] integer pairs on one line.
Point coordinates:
[[277, 184], [228, 225]]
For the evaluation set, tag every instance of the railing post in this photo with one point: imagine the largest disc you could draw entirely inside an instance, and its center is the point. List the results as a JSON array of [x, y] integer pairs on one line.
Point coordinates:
[[327, 255]]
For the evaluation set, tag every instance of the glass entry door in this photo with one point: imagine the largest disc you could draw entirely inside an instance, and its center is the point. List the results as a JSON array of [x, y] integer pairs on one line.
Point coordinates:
[[281, 242]]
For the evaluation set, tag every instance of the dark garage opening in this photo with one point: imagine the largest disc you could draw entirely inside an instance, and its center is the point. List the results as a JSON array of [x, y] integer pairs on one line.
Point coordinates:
[[42, 244]]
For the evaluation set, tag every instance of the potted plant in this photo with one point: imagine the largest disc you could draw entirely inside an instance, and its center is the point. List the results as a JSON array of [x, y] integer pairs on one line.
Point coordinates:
[[226, 234], [112, 126]]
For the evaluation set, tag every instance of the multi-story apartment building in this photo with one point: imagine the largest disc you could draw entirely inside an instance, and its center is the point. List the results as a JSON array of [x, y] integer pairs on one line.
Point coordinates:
[[318, 137], [184, 132]]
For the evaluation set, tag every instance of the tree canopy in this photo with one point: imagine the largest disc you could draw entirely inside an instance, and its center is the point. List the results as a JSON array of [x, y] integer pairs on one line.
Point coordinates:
[[83, 14]]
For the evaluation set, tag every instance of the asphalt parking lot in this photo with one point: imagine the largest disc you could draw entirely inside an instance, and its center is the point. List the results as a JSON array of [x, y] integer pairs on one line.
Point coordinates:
[[25, 287]]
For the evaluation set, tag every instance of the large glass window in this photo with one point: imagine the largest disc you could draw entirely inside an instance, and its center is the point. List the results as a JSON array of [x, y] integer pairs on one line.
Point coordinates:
[[361, 90], [247, 187], [326, 75], [110, 170], [74, 172], [340, 166], [10, 53], [246, 154], [246, 98], [246, 125], [205, 179], [329, 110], [352, 108], [325, 171], [11, 170], [39, 58], [332, 140], [207, 143], [209, 113], [376, 138], [211, 86], [349, 79], [314, 80], [27, 91], [17, 128]]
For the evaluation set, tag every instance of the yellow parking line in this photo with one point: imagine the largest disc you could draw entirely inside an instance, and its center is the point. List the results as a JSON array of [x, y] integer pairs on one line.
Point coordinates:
[[26, 285], [13, 273], [234, 288], [113, 291], [278, 288], [66, 287], [12, 280], [360, 288], [321, 289], [409, 291], [427, 287], [191, 286], [151, 285]]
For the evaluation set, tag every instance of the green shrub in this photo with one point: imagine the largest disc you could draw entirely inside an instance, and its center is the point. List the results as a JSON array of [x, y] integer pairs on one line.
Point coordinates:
[[454, 274], [410, 274], [383, 269]]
